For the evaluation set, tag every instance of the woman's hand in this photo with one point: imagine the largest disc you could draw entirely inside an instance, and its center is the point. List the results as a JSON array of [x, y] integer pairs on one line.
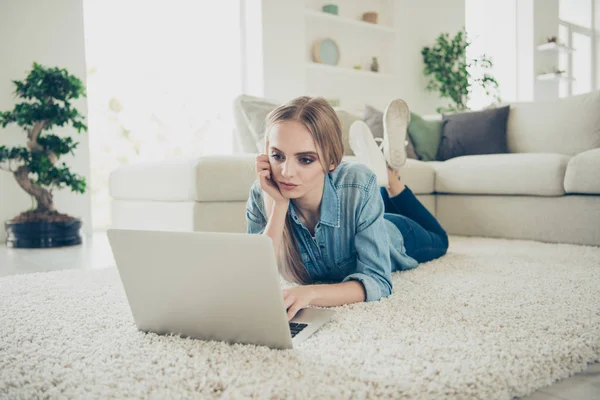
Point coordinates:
[[297, 298], [263, 170]]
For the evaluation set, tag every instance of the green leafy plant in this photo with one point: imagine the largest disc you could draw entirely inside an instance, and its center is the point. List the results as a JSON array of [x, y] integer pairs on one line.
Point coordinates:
[[48, 93], [448, 68]]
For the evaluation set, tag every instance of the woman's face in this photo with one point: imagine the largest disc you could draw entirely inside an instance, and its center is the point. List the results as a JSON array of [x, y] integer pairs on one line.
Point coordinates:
[[294, 160]]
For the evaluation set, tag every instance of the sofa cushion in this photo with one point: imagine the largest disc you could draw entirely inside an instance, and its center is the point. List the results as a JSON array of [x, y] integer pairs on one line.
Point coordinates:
[[418, 175], [583, 173], [425, 134], [504, 174], [346, 119], [250, 118], [250, 114], [473, 133], [565, 126]]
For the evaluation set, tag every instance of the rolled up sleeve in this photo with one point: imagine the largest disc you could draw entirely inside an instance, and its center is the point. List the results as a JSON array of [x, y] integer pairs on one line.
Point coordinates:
[[255, 219], [373, 264]]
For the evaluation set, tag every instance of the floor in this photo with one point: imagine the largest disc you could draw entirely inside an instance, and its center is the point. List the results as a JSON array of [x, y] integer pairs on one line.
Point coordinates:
[[95, 253]]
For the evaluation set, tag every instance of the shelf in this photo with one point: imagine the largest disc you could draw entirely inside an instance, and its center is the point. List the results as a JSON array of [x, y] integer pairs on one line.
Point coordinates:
[[555, 47], [349, 71], [348, 21], [551, 76]]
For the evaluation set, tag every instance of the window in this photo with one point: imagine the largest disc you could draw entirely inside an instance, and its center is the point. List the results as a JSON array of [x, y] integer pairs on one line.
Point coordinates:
[[161, 80], [576, 30], [491, 29]]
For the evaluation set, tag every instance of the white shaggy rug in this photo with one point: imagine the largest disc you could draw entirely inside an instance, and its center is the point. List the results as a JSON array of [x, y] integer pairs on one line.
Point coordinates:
[[492, 319]]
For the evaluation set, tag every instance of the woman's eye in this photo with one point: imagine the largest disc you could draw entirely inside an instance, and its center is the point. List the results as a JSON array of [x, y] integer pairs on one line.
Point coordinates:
[[306, 160], [275, 156]]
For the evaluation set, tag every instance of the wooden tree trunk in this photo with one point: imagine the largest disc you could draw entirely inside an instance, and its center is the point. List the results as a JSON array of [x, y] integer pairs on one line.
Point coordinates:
[[45, 201]]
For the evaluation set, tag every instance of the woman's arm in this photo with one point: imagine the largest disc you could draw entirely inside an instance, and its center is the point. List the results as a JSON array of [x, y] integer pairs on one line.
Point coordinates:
[[276, 223], [338, 294], [372, 243], [332, 295]]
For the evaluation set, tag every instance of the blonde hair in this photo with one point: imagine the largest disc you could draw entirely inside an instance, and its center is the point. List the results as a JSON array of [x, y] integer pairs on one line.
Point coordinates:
[[322, 122]]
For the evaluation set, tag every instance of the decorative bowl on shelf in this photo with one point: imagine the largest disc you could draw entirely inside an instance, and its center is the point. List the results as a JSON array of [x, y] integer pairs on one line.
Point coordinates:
[[370, 16], [326, 51]]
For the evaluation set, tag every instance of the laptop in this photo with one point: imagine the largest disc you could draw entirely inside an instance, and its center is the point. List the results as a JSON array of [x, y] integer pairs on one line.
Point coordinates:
[[209, 286]]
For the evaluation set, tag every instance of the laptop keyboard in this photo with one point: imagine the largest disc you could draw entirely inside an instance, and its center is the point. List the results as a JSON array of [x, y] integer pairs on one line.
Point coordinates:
[[296, 328]]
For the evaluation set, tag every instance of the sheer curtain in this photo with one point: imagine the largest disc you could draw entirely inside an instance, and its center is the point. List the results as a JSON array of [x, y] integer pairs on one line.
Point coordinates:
[[161, 79]]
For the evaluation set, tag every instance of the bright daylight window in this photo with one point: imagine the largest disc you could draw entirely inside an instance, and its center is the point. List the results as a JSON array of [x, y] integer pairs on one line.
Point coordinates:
[[576, 30], [161, 79], [491, 27]]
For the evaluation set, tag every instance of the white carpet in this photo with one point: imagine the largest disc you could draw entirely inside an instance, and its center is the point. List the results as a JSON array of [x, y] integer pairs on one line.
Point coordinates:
[[492, 319]]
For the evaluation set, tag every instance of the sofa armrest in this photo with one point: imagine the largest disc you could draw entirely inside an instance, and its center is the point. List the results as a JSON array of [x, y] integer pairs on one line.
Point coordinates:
[[225, 177], [203, 179], [583, 173]]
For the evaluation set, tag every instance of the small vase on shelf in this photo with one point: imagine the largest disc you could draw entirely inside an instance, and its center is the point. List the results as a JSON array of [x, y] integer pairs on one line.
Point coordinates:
[[375, 65]]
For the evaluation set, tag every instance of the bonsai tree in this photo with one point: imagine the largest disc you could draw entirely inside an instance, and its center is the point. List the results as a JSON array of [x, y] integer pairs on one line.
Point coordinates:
[[48, 93], [448, 68]]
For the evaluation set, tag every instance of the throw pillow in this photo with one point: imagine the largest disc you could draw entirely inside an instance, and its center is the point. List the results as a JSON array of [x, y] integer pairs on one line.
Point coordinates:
[[425, 135], [346, 118], [374, 120], [476, 132], [251, 114]]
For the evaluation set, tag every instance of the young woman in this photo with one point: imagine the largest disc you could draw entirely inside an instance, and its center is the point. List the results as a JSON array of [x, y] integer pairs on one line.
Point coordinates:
[[338, 222]]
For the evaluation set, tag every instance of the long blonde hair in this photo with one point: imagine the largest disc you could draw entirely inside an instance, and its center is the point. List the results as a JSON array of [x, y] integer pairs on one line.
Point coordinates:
[[324, 125]]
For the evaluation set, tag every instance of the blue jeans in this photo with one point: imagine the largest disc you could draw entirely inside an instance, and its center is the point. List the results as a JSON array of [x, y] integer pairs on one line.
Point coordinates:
[[424, 237]]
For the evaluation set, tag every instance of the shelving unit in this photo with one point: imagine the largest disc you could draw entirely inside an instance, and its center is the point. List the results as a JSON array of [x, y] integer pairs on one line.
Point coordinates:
[[348, 21], [358, 42], [555, 47], [551, 76], [348, 71]]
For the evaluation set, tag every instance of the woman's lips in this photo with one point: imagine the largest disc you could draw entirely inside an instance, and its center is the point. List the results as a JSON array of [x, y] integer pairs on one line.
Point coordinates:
[[286, 186]]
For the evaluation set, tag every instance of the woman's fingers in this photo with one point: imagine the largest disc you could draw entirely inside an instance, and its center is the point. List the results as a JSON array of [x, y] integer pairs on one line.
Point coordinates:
[[292, 312], [265, 173], [288, 301], [291, 306], [265, 184], [262, 163]]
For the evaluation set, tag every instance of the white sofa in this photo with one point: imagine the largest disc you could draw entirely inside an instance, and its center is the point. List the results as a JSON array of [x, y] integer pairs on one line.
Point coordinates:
[[547, 188]]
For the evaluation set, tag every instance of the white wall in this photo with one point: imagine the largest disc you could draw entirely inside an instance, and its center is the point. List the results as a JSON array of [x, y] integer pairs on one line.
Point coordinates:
[[524, 51], [284, 69], [419, 24], [50, 33], [545, 23]]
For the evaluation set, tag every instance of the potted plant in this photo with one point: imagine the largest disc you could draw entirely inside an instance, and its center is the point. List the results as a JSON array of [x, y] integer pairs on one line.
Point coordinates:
[[48, 93], [447, 65]]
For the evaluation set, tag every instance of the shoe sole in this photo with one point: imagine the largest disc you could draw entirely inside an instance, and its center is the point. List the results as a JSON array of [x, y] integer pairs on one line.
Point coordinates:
[[358, 140], [395, 126]]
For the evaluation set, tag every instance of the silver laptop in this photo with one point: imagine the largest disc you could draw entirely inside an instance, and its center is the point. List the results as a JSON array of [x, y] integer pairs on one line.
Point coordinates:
[[209, 286]]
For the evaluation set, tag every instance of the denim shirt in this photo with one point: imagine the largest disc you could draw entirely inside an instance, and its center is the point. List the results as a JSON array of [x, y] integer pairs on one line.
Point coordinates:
[[352, 239]]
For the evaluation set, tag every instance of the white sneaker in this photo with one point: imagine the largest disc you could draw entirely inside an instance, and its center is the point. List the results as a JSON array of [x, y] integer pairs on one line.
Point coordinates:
[[365, 148], [395, 126]]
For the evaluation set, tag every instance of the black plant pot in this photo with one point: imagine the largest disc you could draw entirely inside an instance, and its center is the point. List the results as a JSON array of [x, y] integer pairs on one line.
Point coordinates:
[[38, 235]]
